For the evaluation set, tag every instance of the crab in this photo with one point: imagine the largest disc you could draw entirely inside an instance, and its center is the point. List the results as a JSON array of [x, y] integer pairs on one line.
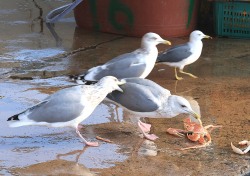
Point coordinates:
[[194, 132], [239, 151]]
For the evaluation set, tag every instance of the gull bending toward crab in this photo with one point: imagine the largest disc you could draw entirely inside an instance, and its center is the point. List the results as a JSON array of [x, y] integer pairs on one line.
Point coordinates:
[[145, 98], [239, 151], [194, 132]]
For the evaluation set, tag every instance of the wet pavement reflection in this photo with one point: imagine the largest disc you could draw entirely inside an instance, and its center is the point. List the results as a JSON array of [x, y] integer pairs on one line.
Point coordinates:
[[35, 63]]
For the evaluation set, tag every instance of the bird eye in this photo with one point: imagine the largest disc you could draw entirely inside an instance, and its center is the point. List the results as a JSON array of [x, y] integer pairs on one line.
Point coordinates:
[[154, 38], [183, 106]]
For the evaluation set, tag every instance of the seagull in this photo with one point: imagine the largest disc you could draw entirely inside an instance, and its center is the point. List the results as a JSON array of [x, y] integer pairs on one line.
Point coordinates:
[[67, 107], [138, 63], [185, 54], [145, 98]]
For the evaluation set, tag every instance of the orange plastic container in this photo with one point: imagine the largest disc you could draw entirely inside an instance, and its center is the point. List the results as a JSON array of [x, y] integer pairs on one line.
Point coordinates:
[[168, 18]]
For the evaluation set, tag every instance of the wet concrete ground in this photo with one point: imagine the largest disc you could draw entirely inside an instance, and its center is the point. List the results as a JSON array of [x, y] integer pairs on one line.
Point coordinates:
[[34, 64]]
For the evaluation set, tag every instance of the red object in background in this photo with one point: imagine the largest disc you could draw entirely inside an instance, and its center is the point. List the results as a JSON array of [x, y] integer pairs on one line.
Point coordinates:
[[169, 18]]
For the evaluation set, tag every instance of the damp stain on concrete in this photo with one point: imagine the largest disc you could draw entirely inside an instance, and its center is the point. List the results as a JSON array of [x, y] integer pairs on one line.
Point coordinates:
[[34, 64]]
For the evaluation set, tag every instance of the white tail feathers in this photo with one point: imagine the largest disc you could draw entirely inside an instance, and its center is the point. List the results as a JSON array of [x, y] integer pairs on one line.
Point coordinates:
[[14, 124]]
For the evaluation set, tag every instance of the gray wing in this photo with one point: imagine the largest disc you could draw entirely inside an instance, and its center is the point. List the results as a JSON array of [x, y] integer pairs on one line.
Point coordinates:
[[175, 54], [122, 57], [124, 66], [136, 98], [155, 89], [63, 106]]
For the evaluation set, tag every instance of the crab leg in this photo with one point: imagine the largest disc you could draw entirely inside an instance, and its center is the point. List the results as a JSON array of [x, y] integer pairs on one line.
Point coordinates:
[[212, 126], [202, 141], [196, 146]]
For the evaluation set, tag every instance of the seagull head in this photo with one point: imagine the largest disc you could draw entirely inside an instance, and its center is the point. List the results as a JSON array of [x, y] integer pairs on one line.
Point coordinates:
[[153, 39], [111, 82], [180, 105], [198, 35]]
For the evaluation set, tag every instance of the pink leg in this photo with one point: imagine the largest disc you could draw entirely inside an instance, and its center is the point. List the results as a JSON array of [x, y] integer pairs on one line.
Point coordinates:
[[151, 137], [145, 126], [93, 144]]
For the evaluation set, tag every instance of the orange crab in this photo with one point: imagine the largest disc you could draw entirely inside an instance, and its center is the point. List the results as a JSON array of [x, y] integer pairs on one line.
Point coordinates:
[[195, 132]]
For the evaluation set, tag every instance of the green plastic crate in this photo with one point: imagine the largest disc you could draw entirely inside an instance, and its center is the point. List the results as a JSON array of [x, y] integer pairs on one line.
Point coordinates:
[[232, 19]]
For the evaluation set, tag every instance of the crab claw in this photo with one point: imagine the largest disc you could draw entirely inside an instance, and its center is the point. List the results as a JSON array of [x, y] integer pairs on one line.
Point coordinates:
[[245, 142], [239, 151], [175, 132]]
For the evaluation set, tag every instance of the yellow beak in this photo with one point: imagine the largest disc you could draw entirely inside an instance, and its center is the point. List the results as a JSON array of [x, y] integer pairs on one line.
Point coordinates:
[[166, 42], [208, 37], [197, 116]]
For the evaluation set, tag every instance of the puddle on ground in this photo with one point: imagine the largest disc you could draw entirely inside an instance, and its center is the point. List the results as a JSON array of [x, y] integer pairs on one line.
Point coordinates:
[[35, 63], [41, 144], [34, 55], [58, 147]]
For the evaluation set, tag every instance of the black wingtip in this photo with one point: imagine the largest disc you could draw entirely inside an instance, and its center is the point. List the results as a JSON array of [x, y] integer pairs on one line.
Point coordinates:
[[77, 78], [14, 117], [80, 80], [159, 59], [90, 82]]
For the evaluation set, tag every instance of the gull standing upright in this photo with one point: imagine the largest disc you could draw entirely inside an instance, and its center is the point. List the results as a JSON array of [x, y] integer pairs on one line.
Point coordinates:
[[138, 63], [145, 98], [185, 54], [67, 107]]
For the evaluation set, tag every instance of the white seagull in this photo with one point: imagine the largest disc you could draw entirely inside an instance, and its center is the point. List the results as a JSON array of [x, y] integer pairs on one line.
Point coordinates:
[[185, 54], [138, 63], [67, 107], [145, 98]]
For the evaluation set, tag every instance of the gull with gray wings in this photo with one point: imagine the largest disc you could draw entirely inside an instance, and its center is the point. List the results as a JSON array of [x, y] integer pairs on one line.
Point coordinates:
[[145, 98], [181, 55], [67, 107], [138, 63]]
